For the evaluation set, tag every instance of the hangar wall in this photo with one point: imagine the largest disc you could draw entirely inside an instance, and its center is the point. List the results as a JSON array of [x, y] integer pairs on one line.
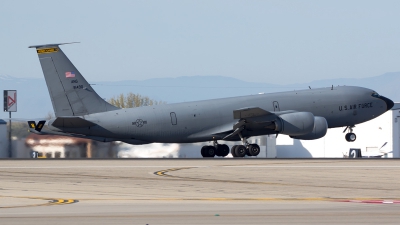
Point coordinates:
[[371, 136]]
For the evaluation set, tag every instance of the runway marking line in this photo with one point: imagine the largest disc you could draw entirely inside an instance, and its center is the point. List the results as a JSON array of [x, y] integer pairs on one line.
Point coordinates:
[[64, 201], [223, 166], [71, 201], [312, 166], [163, 173], [88, 167], [49, 203], [365, 200], [372, 201], [354, 200]]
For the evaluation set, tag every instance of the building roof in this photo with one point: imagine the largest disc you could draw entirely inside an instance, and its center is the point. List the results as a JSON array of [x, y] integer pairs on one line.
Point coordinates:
[[396, 106]]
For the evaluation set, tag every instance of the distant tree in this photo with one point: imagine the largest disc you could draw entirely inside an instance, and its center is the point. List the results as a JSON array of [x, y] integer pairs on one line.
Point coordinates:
[[133, 100], [49, 116], [18, 129]]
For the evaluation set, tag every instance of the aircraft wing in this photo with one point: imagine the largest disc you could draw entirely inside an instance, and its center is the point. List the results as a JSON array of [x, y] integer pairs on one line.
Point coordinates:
[[253, 119], [250, 119], [249, 112]]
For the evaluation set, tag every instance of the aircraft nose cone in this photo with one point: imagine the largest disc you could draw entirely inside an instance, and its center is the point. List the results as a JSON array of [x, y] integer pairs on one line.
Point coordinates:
[[389, 103]]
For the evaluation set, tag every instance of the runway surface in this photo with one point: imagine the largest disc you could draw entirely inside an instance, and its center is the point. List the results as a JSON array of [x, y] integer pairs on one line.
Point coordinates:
[[216, 191]]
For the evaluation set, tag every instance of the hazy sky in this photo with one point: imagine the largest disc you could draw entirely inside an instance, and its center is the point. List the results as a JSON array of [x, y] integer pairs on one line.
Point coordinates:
[[268, 41]]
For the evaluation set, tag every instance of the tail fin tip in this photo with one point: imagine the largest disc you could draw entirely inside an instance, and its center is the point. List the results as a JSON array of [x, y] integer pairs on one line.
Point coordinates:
[[47, 45]]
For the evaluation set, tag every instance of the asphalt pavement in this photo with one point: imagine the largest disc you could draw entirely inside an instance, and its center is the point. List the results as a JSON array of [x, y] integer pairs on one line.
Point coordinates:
[[200, 191]]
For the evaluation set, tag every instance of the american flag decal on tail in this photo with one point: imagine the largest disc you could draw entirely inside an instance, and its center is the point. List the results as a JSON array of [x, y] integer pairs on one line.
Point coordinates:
[[69, 74]]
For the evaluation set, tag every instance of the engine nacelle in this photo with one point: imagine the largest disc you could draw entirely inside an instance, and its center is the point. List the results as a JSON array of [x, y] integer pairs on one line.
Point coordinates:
[[319, 131], [295, 124]]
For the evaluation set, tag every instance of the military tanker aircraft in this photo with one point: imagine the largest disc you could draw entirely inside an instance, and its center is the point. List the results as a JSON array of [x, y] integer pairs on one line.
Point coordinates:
[[304, 114]]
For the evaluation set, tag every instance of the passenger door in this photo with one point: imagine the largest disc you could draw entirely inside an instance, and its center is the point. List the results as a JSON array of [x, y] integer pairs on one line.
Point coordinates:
[[174, 120], [276, 106]]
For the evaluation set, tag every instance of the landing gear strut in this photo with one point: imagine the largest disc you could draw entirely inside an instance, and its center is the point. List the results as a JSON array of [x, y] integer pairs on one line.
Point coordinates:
[[350, 137]]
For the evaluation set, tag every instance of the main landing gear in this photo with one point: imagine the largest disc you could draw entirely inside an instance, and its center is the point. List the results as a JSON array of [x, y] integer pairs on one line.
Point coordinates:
[[236, 150], [245, 149], [350, 137], [242, 150], [215, 150]]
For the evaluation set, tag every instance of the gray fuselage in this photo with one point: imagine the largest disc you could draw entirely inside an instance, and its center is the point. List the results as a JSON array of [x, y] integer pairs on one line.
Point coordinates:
[[201, 120]]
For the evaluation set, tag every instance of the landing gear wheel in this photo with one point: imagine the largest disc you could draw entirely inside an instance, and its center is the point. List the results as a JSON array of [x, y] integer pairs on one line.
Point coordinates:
[[350, 137], [253, 150], [218, 150], [203, 149], [240, 151], [208, 151], [233, 151], [247, 152], [223, 150]]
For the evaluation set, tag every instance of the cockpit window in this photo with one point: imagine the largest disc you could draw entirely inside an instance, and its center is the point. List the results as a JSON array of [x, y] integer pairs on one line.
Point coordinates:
[[376, 95]]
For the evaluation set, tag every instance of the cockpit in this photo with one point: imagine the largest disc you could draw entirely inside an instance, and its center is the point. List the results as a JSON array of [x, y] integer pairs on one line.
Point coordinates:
[[376, 95], [389, 103]]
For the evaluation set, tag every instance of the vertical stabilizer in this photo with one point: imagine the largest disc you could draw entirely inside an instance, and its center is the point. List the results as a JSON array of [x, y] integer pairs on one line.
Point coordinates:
[[70, 93]]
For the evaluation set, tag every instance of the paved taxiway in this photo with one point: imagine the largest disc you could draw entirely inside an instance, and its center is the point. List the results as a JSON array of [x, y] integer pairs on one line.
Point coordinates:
[[216, 191]]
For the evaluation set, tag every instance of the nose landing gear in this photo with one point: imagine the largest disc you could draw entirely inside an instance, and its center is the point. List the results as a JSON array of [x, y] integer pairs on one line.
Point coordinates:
[[350, 137]]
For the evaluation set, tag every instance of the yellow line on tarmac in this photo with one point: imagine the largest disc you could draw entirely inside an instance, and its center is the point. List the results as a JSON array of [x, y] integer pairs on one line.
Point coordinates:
[[64, 201], [240, 199], [164, 172], [49, 203]]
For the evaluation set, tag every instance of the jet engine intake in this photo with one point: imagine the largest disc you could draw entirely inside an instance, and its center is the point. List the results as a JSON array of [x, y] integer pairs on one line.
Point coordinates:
[[319, 131], [295, 124]]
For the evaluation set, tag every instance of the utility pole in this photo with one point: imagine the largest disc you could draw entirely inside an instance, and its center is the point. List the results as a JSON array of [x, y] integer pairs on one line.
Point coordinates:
[[9, 138], [10, 105]]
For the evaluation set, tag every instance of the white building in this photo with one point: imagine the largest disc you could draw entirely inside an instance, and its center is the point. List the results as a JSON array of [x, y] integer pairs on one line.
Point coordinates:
[[371, 136], [3, 139]]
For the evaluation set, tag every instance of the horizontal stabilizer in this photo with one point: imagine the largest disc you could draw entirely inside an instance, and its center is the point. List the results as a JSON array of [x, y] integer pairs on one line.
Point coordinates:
[[249, 112], [95, 138], [72, 122], [46, 45]]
